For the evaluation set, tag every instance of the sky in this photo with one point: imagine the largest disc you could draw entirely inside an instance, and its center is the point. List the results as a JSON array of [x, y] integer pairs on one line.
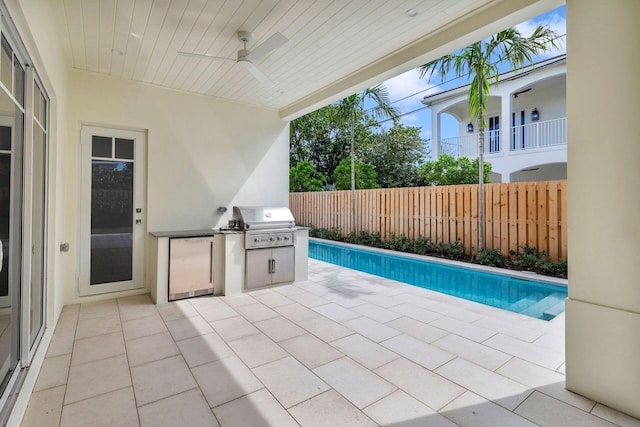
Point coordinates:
[[407, 90]]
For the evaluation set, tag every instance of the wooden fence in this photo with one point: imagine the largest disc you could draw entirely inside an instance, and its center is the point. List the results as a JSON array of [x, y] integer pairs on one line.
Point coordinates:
[[533, 213]]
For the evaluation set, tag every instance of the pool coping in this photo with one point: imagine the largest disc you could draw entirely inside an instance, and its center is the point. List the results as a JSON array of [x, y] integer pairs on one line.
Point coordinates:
[[522, 275]]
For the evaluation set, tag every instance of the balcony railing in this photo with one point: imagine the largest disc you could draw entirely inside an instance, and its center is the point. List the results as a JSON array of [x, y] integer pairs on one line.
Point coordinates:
[[531, 136], [539, 135]]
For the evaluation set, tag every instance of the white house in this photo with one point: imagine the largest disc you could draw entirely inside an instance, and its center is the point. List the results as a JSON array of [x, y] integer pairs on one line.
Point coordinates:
[[85, 83], [526, 124]]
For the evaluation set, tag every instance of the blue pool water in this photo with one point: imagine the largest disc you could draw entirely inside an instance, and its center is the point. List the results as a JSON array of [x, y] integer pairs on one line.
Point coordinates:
[[536, 299]]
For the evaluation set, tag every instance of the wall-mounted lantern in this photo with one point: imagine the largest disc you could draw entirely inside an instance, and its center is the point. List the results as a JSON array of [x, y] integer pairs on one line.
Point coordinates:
[[535, 115], [470, 128]]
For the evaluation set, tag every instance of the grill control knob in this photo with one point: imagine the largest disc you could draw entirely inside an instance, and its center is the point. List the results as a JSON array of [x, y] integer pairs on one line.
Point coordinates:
[[279, 238], [286, 238], [256, 240], [271, 239]]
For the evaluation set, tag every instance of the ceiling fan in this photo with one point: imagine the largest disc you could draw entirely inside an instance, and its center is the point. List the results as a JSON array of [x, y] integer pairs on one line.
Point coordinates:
[[245, 56]]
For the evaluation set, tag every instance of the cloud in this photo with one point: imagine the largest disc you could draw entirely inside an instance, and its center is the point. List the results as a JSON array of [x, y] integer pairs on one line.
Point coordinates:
[[409, 118], [557, 22], [407, 90]]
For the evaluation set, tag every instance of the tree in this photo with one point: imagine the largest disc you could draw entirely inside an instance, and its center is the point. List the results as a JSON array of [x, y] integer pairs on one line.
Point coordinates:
[[479, 62], [365, 175], [304, 177], [349, 107], [323, 137], [396, 155], [448, 170]]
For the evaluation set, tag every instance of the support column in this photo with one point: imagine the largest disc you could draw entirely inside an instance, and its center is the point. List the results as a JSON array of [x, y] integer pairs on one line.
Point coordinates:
[[435, 134], [502, 164], [505, 124], [603, 309]]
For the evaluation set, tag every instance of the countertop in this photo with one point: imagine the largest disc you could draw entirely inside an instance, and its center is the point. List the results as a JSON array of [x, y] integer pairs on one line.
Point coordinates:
[[203, 232], [191, 233]]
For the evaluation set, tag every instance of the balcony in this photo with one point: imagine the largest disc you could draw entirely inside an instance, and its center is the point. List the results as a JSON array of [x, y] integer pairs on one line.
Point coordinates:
[[532, 136]]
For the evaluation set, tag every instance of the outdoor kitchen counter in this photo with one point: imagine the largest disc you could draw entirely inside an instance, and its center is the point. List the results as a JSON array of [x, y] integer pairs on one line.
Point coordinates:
[[229, 260], [188, 233]]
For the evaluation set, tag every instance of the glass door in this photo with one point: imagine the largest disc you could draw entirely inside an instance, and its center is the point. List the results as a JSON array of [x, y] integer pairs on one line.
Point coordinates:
[[23, 211], [10, 225], [12, 197], [6, 159], [38, 206], [494, 134], [518, 130], [112, 211]]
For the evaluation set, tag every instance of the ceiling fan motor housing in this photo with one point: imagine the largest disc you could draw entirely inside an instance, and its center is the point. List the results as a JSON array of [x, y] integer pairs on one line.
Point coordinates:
[[242, 55]]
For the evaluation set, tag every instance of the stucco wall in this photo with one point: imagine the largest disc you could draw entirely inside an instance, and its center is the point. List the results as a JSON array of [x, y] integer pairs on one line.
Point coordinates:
[[550, 100], [202, 153]]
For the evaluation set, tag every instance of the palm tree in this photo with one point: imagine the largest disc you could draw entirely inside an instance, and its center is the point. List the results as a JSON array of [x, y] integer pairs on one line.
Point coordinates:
[[479, 62], [349, 108]]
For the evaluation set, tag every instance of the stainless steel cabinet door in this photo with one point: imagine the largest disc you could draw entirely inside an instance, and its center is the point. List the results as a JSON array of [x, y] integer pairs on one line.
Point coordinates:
[[282, 264], [258, 268], [190, 266]]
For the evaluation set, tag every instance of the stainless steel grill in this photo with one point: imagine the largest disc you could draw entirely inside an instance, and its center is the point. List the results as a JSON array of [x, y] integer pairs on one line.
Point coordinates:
[[268, 242], [247, 218]]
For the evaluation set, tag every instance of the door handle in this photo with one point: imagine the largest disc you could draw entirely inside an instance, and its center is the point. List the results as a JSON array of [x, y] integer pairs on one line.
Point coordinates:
[[211, 263], [273, 266], [1, 255]]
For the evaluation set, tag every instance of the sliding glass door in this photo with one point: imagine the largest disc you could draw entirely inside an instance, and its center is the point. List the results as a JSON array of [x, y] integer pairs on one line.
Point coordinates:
[[12, 158], [23, 206]]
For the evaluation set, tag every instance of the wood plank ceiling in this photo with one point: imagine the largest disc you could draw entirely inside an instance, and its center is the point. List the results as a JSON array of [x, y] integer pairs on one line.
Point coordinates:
[[139, 40]]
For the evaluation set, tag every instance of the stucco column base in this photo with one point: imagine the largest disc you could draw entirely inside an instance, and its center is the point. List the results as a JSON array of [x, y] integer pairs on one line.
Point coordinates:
[[602, 354]]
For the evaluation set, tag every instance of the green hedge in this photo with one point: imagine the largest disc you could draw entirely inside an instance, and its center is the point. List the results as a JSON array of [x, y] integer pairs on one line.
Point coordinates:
[[527, 258]]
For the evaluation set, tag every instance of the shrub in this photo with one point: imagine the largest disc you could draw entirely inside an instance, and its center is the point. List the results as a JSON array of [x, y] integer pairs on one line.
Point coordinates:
[[453, 250], [376, 240], [369, 239], [304, 177], [555, 268], [333, 234], [351, 238], [529, 259], [423, 245], [399, 243], [490, 257]]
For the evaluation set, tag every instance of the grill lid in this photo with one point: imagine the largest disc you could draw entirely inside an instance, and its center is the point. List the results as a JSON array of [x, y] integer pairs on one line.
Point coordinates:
[[261, 217]]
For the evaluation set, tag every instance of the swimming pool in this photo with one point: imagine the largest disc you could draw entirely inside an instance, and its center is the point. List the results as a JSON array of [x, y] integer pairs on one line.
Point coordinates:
[[532, 298]]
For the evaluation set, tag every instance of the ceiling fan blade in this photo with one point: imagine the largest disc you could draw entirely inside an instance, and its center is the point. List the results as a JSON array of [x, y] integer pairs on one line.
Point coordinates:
[[273, 42], [200, 56], [255, 72]]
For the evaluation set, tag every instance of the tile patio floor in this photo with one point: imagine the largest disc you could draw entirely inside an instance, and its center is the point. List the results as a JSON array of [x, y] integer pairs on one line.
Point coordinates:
[[344, 348]]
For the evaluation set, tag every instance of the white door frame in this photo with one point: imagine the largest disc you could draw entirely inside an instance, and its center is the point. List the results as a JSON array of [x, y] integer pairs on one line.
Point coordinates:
[[138, 218]]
